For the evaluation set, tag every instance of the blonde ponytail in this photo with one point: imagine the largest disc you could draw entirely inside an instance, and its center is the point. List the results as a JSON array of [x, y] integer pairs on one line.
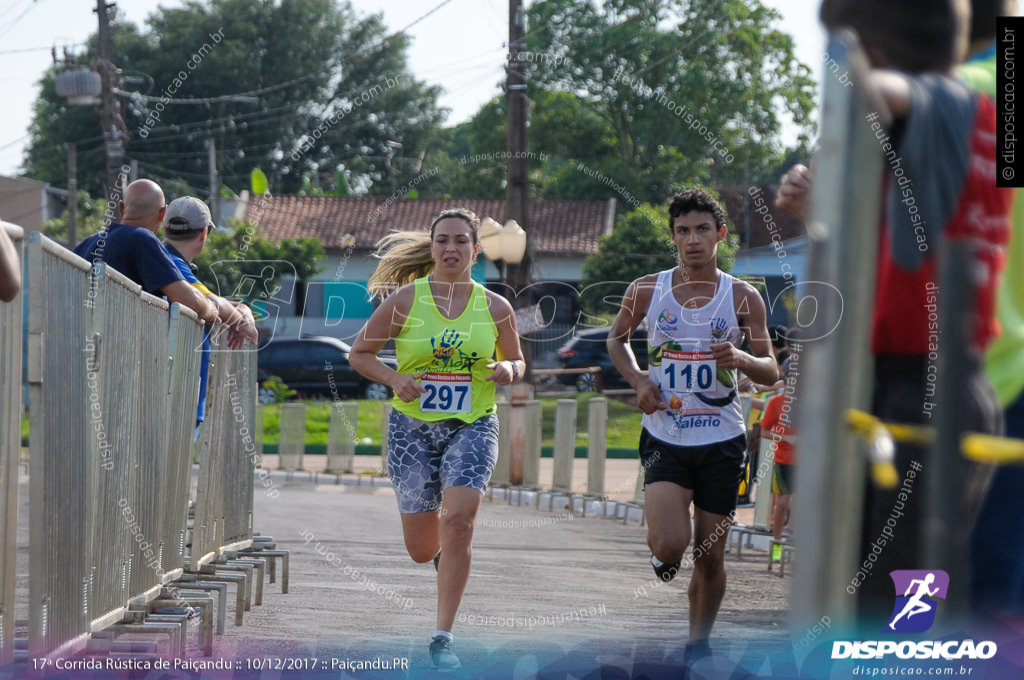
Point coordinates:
[[404, 257]]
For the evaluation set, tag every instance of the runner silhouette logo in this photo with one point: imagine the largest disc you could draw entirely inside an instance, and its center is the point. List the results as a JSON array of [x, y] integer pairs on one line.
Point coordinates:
[[917, 594]]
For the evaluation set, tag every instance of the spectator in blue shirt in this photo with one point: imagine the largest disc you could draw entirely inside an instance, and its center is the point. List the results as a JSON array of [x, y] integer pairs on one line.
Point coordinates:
[[132, 248], [186, 225]]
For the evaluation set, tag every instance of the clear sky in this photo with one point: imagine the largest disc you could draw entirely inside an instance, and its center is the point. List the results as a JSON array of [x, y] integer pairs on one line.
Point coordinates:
[[469, 68]]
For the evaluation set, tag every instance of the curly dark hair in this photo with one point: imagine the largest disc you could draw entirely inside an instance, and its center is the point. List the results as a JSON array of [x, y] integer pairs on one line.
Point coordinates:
[[695, 199]]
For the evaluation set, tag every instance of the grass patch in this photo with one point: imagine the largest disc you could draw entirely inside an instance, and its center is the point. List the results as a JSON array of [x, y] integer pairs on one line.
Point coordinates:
[[623, 422]]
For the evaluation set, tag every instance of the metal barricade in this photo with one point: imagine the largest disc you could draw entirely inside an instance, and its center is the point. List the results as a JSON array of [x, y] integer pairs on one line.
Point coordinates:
[[185, 342], [227, 455], [151, 423], [113, 375], [843, 239], [11, 327], [66, 358]]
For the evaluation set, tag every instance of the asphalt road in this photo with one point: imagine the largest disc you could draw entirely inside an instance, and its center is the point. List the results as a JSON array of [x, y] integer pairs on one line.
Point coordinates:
[[550, 593]]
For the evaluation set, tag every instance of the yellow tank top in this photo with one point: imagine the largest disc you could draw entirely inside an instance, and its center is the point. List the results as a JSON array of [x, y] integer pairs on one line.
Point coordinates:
[[452, 352]]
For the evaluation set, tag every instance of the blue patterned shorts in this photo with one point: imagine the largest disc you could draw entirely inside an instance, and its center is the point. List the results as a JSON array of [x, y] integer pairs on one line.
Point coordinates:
[[425, 458]]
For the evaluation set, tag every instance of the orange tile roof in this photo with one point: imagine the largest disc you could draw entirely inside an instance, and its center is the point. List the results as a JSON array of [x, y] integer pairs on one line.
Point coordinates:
[[556, 227]]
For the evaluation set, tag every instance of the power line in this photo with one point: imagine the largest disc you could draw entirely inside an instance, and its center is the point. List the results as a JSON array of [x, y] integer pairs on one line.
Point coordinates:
[[35, 49], [8, 27], [286, 84]]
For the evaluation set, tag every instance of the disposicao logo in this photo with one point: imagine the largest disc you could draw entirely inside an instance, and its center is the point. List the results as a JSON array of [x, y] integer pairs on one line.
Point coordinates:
[[917, 594]]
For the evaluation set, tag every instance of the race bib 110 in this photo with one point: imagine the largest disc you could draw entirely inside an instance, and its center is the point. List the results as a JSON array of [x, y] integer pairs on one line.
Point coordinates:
[[687, 371]]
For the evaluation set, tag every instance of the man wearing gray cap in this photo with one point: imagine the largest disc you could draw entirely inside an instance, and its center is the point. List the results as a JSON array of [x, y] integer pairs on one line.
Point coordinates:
[[186, 225]]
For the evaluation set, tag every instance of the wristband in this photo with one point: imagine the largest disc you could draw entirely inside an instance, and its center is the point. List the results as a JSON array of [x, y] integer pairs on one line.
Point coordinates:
[[515, 370]]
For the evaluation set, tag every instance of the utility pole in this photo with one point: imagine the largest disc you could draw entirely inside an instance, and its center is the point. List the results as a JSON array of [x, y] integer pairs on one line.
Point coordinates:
[[72, 232], [112, 143], [211, 154], [518, 276], [518, 178]]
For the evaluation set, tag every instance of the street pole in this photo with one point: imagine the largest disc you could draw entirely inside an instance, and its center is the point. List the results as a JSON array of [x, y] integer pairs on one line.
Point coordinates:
[[518, 276], [112, 143], [211, 155], [72, 231]]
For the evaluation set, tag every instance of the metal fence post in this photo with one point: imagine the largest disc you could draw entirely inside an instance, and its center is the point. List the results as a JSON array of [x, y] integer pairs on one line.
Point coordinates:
[[386, 409], [597, 444], [292, 440], [565, 444], [341, 436], [500, 475], [531, 456]]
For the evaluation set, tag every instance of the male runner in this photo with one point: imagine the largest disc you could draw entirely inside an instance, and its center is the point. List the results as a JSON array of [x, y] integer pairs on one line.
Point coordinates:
[[692, 444]]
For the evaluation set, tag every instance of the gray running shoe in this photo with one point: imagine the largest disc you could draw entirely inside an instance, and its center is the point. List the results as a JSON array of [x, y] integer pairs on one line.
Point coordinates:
[[441, 653]]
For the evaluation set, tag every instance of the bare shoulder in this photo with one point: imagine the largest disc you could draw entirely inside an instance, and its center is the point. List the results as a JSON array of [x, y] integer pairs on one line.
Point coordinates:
[[740, 287], [401, 300], [749, 306], [743, 291], [642, 288], [647, 281], [499, 307]]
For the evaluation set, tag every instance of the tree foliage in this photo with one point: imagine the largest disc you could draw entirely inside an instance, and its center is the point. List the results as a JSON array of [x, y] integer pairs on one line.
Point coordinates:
[[231, 257], [693, 89], [339, 89], [632, 99]]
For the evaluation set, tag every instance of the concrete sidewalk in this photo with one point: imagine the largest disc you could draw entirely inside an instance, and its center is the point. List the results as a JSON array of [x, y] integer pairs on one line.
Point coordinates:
[[549, 590], [619, 480]]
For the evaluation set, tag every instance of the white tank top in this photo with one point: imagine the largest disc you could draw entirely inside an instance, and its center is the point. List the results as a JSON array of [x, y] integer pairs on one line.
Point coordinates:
[[704, 407]]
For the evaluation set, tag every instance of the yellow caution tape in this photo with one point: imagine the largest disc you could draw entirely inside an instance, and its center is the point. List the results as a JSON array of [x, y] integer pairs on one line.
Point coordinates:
[[982, 448], [985, 448]]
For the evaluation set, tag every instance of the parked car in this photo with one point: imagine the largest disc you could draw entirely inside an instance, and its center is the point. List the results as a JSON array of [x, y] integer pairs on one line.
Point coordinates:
[[318, 365], [589, 348]]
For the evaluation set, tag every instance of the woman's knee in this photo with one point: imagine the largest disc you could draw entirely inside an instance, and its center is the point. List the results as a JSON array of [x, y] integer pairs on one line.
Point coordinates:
[[458, 526]]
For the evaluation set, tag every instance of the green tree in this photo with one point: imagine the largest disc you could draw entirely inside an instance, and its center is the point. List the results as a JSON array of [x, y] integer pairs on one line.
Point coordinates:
[[692, 90], [91, 218], [563, 126], [639, 245], [332, 89], [631, 99], [246, 251]]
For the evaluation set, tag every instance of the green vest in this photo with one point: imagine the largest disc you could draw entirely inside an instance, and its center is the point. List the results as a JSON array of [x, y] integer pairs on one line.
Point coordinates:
[[453, 353]]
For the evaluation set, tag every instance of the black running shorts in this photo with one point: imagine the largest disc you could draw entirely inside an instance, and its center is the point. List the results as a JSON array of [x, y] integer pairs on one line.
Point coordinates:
[[712, 471]]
